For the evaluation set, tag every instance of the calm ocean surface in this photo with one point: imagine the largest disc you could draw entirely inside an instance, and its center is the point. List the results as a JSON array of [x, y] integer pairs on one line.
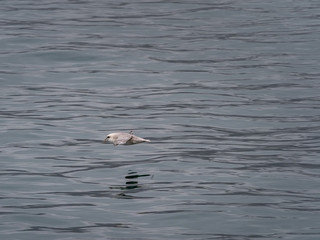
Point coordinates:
[[226, 90]]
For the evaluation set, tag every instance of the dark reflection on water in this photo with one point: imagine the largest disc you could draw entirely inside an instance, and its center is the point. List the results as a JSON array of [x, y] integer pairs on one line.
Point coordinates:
[[131, 181], [80, 229], [227, 92]]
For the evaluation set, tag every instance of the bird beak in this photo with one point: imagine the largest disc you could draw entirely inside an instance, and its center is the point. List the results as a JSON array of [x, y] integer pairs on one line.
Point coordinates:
[[105, 140]]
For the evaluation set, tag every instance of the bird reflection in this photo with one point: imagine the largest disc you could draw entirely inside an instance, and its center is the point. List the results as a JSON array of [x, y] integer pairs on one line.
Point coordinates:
[[131, 181]]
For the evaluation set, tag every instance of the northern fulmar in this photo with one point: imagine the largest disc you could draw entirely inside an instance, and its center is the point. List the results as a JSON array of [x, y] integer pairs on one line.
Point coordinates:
[[122, 138]]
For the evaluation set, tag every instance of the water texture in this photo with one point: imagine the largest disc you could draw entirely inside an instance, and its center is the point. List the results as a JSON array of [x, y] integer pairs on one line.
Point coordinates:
[[227, 91]]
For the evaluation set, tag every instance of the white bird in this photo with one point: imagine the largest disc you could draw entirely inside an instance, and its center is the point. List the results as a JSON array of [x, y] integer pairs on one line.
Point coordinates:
[[124, 139]]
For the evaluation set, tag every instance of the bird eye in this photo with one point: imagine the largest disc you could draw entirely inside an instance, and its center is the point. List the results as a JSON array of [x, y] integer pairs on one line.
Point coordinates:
[[108, 136]]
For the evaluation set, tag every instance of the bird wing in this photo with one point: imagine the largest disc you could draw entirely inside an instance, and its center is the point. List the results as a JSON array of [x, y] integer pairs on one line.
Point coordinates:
[[123, 138]]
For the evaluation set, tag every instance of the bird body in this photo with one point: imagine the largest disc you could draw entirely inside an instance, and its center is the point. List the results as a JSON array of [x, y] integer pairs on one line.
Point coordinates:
[[121, 138]]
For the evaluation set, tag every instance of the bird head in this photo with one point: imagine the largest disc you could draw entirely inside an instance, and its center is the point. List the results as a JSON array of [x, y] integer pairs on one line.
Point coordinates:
[[108, 138]]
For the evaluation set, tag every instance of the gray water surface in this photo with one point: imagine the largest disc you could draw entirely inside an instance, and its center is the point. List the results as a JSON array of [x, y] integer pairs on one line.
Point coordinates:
[[227, 91]]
